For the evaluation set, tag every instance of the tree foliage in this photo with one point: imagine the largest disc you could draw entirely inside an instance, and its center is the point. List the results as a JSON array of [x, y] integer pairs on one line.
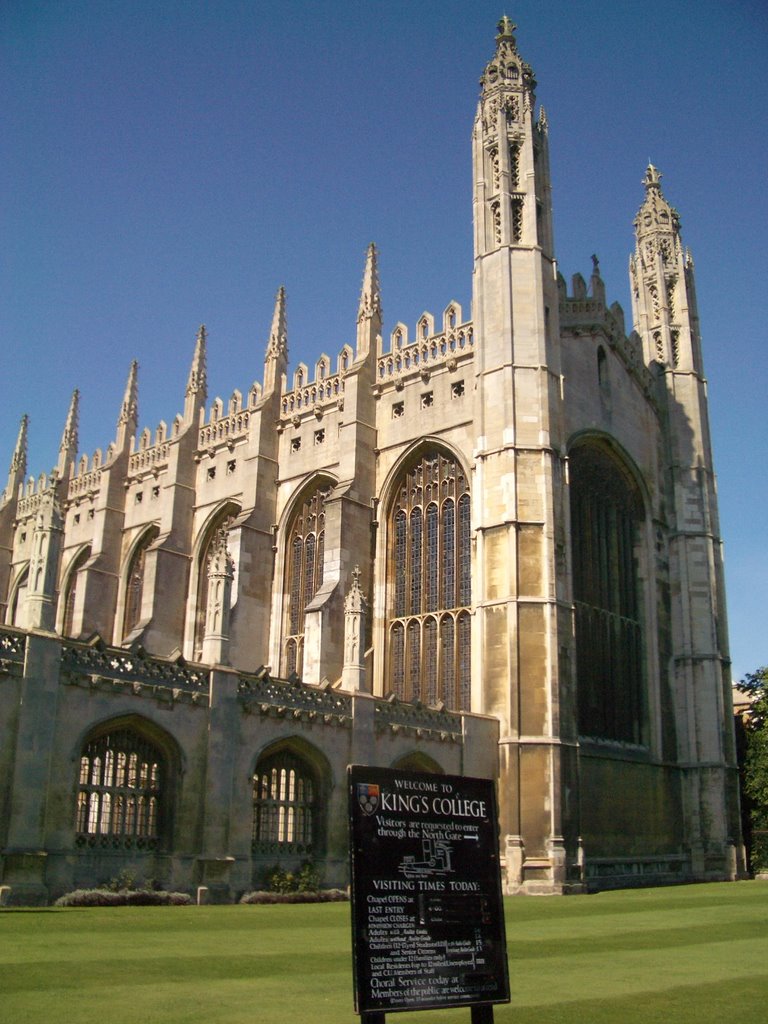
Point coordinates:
[[755, 685]]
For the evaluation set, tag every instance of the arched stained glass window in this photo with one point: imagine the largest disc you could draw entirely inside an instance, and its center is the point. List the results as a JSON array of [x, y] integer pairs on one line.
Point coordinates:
[[284, 805], [606, 513], [429, 584], [120, 792], [304, 572]]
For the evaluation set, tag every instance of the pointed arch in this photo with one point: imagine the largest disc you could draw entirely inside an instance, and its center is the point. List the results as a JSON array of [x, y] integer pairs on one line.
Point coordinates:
[[126, 771], [291, 781], [304, 556], [607, 515], [133, 581], [69, 588], [428, 593], [223, 517], [17, 595]]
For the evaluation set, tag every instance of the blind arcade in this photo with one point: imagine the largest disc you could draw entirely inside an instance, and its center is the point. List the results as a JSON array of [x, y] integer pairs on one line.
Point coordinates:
[[427, 918]]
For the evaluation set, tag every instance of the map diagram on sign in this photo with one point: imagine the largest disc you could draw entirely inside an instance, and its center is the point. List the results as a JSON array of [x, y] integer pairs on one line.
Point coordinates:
[[435, 862]]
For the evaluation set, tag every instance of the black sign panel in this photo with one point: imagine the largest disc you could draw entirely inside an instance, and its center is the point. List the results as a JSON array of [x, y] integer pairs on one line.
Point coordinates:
[[427, 916]]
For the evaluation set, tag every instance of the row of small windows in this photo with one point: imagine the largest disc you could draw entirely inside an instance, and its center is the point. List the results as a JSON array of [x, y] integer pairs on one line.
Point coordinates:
[[123, 799]]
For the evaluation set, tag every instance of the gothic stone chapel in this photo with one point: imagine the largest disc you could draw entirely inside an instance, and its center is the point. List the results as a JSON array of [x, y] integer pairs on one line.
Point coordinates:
[[487, 545]]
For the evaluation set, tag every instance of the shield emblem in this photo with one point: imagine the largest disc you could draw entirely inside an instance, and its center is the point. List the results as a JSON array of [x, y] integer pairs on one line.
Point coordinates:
[[367, 797]]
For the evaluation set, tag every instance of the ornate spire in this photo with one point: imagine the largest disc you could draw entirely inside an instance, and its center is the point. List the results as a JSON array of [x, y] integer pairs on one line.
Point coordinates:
[[655, 214], [197, 383], [370, 294], [128, 419], [506, 68], [278, 335], [129, 411], [19, 458], [661, 275], [69, 438], [276, 359]]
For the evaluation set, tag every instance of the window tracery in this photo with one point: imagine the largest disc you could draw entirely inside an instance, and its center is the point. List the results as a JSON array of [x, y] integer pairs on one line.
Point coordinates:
[[120, 791], [284, 805], [304, 575], [429, 588], [606, 512]]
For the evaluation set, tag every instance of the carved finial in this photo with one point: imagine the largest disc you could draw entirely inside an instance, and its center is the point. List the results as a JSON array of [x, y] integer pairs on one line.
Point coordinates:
[[595, 264], [197, 383], [505, 29], [652, 177], [370, 294]]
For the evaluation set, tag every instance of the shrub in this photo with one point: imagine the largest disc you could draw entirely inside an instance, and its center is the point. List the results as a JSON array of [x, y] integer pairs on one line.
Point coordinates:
[[319, 896], [306, 879], [123, 898]]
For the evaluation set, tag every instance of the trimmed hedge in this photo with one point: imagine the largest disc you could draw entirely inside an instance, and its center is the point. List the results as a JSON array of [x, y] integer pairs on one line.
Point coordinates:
[[319, 896], [123, 898]]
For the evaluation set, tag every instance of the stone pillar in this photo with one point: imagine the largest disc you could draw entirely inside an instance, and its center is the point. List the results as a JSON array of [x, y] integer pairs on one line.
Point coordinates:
[[353, 672], [24, 858], [221, 572], [215, 861], [44, 563]]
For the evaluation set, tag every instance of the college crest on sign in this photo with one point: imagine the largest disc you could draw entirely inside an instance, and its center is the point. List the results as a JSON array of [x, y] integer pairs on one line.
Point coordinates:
[[367, 797]]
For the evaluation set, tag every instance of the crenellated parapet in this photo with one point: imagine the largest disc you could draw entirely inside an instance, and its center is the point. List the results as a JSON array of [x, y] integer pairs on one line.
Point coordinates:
[[585, 313], [430, 349], [312, 395]]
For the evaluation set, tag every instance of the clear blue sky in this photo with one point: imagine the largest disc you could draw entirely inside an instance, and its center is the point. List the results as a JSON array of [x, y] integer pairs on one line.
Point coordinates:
[[171, 163]]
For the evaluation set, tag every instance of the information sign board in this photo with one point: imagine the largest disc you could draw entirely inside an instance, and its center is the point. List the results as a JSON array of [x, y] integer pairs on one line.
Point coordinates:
[[427, 916]]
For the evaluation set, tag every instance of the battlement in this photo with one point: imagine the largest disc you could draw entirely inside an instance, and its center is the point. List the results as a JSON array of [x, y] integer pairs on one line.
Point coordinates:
[[430, 348], [324, 390]]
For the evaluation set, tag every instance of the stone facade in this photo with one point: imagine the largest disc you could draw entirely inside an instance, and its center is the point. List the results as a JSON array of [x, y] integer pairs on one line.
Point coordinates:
[[491, 547]]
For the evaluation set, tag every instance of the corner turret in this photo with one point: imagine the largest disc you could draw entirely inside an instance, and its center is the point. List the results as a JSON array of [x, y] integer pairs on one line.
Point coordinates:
[[661, 276]]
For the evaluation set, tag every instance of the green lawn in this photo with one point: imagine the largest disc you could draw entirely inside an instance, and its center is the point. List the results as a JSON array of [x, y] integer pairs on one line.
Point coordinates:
[[695, 954]]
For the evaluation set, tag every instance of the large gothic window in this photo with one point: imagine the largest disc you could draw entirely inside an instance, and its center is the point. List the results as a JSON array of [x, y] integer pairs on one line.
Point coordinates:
[[120, 791], [134, 590], [224, 521], [304, 572], [429, 584], [606, 512], [285, 802]]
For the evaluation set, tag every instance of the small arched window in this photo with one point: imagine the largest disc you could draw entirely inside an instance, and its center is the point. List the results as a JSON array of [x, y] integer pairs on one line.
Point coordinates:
[[121, 791], [285, 806]]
